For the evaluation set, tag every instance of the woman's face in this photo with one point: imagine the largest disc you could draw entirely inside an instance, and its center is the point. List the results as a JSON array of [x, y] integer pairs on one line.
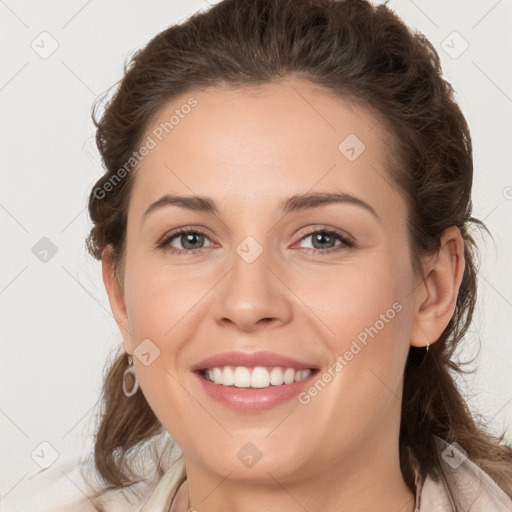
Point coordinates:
[[329, 284]]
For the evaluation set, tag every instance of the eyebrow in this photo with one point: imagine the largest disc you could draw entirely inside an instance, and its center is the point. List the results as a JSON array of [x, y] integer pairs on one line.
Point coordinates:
[[296, 203]]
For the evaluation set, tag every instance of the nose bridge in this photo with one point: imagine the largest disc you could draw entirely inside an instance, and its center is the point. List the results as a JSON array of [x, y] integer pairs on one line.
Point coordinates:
[[251, 261], [251, 291], [251, 278]]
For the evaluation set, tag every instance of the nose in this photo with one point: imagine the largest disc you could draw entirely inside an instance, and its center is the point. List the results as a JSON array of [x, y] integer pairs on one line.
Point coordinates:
[[253, 294]]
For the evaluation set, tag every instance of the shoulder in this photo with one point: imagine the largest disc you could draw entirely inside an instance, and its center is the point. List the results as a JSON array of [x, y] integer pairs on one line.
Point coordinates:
[[475, 489], [71, 485], [65, 487]]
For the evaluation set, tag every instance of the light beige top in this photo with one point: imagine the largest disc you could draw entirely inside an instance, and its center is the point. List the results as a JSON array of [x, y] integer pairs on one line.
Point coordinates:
[[62, 488]]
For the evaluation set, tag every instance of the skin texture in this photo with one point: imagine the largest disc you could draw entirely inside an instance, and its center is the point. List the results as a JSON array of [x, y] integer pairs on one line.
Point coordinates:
[[248, 149]]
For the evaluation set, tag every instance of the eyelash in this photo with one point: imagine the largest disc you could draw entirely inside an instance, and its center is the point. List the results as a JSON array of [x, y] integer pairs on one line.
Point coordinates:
[[164, 244]]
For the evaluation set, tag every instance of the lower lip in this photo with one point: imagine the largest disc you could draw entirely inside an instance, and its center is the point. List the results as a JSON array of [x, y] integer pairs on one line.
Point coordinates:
[[254, 399]]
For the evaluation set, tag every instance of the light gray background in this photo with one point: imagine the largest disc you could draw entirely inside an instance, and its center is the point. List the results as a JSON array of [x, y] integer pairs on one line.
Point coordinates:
[[57, 329]]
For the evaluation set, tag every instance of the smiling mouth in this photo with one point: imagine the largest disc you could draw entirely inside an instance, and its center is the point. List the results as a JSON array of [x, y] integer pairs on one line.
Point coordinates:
[[255, 377]]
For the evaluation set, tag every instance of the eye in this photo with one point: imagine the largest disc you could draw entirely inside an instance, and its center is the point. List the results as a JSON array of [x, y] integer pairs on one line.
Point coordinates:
[[189, 239], [324, 241], [192, 241]]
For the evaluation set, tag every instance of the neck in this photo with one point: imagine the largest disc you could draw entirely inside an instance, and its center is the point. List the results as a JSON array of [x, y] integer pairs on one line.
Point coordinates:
[[373, 482]]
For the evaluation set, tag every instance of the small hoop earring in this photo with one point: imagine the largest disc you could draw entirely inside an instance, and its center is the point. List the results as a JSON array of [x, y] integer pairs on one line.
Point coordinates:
[[130, 374], [428, 345]]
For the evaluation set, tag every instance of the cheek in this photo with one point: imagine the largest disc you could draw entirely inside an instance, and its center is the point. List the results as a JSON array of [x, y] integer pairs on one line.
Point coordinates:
[[161, 300], [352, 296], [164, 309], [365, 312]]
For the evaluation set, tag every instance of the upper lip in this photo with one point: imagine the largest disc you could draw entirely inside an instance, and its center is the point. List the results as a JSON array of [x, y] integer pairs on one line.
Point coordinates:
[[250, 359]]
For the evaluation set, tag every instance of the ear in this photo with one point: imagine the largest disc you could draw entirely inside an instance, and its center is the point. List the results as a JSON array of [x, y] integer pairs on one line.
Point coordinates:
[[116, 296], [436, 296]]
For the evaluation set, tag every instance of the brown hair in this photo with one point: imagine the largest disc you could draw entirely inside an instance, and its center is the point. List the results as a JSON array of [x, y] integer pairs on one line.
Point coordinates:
[[359, 52]]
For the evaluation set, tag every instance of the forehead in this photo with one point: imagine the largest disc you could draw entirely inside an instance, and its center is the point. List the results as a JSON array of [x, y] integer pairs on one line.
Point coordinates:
[[252, 145]]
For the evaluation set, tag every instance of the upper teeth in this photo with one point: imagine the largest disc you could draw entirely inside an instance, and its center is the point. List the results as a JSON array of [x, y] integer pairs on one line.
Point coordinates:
[[261, 377]]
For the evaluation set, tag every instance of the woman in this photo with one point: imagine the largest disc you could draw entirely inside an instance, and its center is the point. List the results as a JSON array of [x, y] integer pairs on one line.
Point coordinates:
[[284, 226]]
